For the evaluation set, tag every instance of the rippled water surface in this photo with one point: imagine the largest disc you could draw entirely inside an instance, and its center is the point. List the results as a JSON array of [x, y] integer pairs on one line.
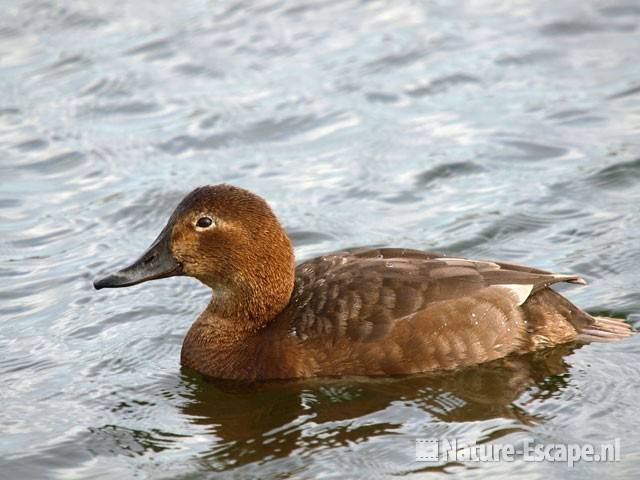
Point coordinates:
[[494, 129]]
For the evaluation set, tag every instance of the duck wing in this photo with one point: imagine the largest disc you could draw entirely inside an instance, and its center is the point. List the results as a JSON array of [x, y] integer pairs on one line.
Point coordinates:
[[362, 293]]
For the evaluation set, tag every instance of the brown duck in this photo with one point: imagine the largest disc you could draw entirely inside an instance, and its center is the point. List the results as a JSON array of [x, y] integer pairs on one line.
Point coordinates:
[[364, 311]]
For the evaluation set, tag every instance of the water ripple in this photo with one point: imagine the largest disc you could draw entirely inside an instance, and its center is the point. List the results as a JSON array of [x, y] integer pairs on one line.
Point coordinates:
[[535, 151], [625, 93], [570, 28], [442, 84], [282, 129], [59, 163], [447, 170], [622, 174]]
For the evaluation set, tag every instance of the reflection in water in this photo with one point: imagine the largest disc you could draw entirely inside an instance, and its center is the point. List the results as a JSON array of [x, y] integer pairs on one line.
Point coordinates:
[[252, 422]]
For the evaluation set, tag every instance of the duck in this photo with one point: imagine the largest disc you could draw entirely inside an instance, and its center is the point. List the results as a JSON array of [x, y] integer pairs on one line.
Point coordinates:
[[365, 311]]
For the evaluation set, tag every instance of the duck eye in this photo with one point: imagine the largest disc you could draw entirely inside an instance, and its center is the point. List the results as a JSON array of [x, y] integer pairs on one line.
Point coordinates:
[[204, 222]]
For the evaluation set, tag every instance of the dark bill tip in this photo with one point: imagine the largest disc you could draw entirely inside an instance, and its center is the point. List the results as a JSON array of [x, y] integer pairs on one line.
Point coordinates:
[[110, 281]]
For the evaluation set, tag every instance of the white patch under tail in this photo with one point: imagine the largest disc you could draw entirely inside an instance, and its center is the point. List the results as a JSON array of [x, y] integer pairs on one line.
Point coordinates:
[[520, 291]]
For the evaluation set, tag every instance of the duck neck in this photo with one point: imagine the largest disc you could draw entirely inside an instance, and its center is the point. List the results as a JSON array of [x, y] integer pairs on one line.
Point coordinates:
[[225, 340], [251, 303], [247, 297]]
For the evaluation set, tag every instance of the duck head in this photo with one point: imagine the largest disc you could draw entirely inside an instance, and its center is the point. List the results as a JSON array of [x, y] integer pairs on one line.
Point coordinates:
[[229, 239]]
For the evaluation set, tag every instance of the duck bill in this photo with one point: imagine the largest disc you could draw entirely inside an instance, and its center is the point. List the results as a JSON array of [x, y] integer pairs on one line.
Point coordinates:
[[157, 262]]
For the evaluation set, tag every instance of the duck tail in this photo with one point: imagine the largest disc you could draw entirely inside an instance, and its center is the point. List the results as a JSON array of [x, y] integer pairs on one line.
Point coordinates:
[[603, 329], [588, 328]]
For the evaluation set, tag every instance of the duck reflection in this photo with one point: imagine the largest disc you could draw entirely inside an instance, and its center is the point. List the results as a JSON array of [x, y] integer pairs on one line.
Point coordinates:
[[251, 422]]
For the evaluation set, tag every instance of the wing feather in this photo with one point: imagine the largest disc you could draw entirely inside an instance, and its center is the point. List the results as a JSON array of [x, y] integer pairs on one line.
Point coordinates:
[[361, 293]]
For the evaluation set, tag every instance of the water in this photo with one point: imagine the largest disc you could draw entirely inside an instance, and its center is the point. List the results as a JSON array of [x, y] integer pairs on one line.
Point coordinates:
[[494, 129]]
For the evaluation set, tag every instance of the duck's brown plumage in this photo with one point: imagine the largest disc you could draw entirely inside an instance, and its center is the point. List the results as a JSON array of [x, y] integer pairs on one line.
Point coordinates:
[[365, 311]]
